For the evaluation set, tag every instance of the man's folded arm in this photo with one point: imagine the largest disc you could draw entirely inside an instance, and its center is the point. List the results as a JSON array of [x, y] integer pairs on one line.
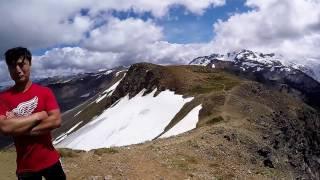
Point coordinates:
[[53, 121], [20, 125]]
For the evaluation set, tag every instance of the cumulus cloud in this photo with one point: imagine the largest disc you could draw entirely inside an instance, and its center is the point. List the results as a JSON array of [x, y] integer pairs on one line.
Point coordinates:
[[45, 24], [40, 24], [157, 8], [126, 35], [289, 27], [4, 73], [68, 60]]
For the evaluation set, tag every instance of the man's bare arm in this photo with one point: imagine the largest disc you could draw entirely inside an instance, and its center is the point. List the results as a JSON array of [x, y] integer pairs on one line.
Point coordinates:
[[20, 125], [53, 121]]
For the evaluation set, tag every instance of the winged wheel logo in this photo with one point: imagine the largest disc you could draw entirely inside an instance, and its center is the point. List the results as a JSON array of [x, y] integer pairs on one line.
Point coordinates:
[[26, 108]]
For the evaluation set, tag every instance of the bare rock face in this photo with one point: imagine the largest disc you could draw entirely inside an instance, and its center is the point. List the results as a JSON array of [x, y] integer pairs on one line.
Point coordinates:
[[140, 76], [289, 127]]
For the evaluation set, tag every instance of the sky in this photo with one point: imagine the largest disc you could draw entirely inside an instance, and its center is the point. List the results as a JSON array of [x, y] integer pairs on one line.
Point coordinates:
[[76, 36]]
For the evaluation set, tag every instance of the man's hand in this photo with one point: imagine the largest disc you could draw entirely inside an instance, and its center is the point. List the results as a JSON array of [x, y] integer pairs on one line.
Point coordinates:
[[52, 121], [10, 115], [41, 115]]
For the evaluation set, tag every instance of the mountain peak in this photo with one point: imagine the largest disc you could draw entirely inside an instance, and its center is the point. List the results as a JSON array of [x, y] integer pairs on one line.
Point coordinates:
[[256, 61]]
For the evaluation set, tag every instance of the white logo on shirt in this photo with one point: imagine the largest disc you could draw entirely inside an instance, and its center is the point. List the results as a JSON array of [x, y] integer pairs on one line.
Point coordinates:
[[26, 108]]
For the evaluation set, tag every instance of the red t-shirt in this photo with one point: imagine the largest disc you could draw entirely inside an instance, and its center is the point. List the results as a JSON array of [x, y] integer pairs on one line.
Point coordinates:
[[34, 153]]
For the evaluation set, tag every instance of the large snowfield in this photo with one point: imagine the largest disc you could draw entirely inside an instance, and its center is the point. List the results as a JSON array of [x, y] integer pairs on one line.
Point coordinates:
[[133, 121]]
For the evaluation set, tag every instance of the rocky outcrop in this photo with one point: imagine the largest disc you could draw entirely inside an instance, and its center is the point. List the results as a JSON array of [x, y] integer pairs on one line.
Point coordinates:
[[289, 127]]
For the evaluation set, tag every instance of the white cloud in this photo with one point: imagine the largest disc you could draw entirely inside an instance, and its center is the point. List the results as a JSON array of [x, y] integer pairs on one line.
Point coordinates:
[[118, 42], [126, 35], [157, 8], [70, 60], [40, 24], [163, 52], [4, 73], [45, 24], [289, 27]]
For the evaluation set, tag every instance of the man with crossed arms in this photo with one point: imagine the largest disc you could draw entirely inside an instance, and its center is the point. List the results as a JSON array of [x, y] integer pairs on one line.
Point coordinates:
[[29, 112]]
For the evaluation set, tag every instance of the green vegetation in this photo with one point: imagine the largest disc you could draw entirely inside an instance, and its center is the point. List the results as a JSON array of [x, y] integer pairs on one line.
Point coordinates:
[[215, 120], [69, 152], [215, 82], [101, 151], [193, 143], [268, 172]]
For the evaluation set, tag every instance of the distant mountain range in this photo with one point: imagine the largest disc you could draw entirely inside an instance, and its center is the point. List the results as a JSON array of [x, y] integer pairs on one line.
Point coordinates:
[[269, 69], [252, 61]]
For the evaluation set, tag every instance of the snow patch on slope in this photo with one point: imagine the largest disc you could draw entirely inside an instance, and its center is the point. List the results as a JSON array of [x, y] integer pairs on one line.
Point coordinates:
[[109, 91], [188, 123], [130, 121], [64, 135]]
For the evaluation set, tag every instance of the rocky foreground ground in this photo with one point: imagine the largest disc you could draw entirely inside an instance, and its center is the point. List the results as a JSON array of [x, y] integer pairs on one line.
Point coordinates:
[[210, 152]]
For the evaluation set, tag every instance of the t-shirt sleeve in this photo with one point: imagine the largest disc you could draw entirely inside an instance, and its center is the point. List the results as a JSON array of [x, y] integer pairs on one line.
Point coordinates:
[[51, 102]]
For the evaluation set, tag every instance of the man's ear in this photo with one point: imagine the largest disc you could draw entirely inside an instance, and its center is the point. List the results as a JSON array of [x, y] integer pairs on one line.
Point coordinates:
[[29, 62]]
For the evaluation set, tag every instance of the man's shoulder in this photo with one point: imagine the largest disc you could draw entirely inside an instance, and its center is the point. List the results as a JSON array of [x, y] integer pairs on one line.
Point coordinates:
[[5, 91], [40, 88]]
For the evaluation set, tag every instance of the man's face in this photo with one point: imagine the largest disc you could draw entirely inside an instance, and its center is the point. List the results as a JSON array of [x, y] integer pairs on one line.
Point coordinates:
[[20, 71]]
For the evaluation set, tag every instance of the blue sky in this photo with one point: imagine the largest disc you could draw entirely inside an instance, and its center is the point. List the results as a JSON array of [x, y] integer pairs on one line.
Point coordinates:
[[86, 35], [184, 27]]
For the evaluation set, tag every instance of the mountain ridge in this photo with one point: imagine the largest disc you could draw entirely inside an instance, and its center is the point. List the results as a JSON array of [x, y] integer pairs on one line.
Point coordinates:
[[287, 128], [262, 123]]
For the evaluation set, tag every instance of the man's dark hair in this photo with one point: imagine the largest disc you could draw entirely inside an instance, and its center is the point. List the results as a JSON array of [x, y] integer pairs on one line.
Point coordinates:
[[14, 54]]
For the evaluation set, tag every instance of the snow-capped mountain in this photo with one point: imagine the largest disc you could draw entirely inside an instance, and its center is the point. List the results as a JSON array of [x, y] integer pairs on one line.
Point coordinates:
[[248, 60], [269, 69]]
